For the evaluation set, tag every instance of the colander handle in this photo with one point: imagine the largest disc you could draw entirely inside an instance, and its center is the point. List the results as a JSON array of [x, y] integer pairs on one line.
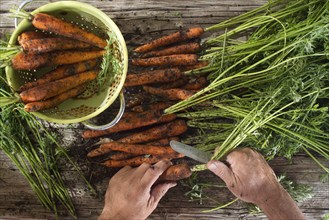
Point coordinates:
[[114, 121], [21, 6]]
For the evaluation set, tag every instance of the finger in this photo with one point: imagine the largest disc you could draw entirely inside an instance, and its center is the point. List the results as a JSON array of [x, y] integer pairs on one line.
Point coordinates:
[[153, 173], [222, 171], [124, 169], [122, 172], [159, 191], [141, 170]]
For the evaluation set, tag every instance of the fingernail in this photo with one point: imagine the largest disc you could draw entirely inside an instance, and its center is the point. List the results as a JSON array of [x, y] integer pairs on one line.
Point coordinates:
[[212, 165], [173, 184]]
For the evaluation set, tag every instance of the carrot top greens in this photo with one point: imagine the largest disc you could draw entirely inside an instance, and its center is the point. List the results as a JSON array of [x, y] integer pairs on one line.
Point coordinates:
[[34, 150], [269, 91], [111, 64]]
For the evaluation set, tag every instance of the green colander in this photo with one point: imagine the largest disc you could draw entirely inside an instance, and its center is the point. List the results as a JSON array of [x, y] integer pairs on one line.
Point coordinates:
[[91, 103]]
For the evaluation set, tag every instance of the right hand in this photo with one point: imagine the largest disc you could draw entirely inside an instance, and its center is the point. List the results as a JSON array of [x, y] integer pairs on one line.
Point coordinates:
[[132, 192], [247, 175]]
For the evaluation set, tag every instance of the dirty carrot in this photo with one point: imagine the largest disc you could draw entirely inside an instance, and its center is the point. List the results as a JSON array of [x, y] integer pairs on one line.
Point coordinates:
[[135, 161], [129, 114], [170, 129], [169, 60], [187, 48], [163, 141], [121, 156], [28, 61], [167, 118], [153, 106], [171, 94], [171, 39], [60, 72], [50, 44], [154, 76], [196, 84], [30, 35], [132, 121], [99, 151], [140, 149], [54, 101], [57, 87], [175, 173], [135, 99], [198, 65], [136, 120], [178, 83], [56, 25]]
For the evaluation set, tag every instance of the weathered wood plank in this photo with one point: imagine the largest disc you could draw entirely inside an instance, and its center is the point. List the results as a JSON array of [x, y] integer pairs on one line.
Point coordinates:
[[140, 21], [18, 199]]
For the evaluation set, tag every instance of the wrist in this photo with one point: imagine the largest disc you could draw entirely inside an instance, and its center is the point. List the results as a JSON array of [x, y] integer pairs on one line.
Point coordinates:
[[280, 205], [108, 215]]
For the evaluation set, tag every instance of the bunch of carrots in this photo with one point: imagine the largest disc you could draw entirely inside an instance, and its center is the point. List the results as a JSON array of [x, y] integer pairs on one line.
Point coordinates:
[[163, 62], [173, 55], [71, 50]]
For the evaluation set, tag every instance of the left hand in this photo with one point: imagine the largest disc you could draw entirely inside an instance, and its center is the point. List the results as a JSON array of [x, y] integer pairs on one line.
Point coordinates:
[[131, 193]]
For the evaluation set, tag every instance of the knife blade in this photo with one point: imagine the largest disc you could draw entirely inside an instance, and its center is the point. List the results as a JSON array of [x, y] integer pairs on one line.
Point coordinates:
[[190, 151]]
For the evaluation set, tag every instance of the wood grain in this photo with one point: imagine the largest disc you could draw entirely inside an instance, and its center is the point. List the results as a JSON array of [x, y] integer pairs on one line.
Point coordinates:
[[140, 21]]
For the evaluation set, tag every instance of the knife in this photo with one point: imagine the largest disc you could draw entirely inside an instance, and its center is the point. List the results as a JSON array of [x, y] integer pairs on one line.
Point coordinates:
[[190, 151]]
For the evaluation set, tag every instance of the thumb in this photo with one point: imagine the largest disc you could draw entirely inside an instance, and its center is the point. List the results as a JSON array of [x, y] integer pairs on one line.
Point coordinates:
[[159, 191], [222, 171]]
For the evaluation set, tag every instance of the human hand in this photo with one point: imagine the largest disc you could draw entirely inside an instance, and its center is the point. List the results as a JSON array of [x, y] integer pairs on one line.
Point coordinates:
[[247, 175], [131, 193], [251, 179]]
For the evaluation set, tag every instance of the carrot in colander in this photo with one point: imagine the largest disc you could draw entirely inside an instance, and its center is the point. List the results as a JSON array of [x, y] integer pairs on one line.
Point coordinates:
[[29, 61], [49, 44], [54, 101], [57, 87], [31, 35], [59, 73], [56, 25]]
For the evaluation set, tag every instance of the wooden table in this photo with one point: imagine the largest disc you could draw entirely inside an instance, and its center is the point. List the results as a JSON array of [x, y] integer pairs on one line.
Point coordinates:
[[140, 21]]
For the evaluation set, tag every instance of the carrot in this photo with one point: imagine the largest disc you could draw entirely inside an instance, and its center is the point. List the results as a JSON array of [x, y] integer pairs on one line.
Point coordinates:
[[171, 94], [137, 149], [153, 106], [135, 99], [50, 44], [27, 61], [129, 114], [99, 152], [198, 65], [132, 121], [187, 48], [54, 101], [170, 129], [170, 39], [30, 35], [55, 25], [60, 72], [175, 173], [167, 118], [155, 76], [196, 84], [169, 60], [57, 87], [178, 83], [135, 161], [121, 156], [136, 120], [163, 141]]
